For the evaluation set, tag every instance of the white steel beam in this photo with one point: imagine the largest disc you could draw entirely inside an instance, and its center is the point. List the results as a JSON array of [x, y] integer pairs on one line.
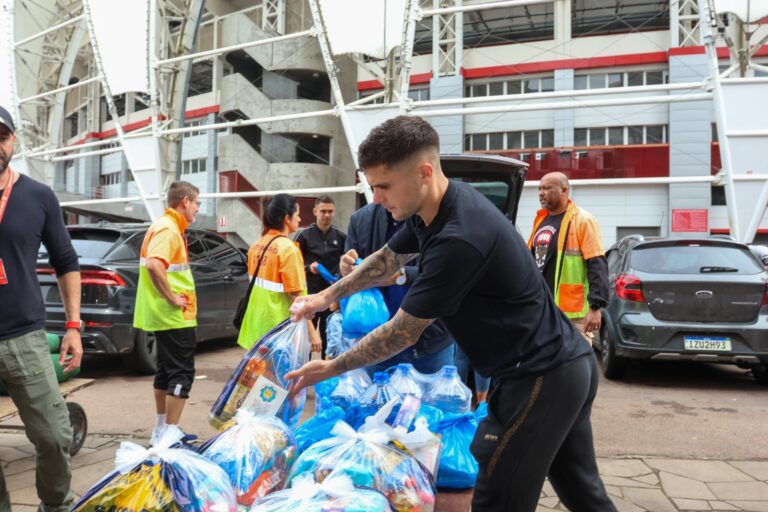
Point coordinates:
[[482, 7], [60, 89], [241, 46], [31, 38]]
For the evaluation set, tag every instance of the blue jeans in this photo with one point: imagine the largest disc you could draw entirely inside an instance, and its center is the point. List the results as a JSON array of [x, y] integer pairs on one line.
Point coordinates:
[[462, 363], [426, 364]]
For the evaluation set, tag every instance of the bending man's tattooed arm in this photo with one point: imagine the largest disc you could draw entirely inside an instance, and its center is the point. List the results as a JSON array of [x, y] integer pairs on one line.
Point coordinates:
[[375, 270], [388, 339]]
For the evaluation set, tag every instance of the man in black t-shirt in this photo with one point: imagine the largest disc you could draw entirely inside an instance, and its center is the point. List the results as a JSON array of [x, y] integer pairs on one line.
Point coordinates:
[[477, 275], [321, 243], [29, 215]]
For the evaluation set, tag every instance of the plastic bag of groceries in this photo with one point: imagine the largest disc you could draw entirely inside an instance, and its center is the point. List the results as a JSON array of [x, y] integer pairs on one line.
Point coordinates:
[[334, 494], [161, 478], [318, 427], [369, 461], [258, 383], [255, 451], [458, 467]]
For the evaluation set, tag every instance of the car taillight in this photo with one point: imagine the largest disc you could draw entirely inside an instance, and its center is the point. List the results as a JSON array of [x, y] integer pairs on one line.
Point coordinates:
[[765, 295], [46, 271], [101, 278], [629, 288]]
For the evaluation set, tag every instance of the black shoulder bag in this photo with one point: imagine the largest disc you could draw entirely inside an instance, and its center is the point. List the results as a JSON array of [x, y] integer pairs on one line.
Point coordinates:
[[237, 321]]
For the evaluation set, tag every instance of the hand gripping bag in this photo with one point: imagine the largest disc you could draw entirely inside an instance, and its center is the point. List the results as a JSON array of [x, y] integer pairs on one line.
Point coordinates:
[[258, 383], [160, 478], [255, 451]]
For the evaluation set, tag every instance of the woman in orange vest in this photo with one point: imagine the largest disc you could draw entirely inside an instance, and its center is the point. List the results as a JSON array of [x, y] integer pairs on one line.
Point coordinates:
[[277, 262]]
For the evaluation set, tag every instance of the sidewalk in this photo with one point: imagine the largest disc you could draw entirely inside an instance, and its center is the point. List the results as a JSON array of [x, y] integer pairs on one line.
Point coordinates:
[[635, 483]]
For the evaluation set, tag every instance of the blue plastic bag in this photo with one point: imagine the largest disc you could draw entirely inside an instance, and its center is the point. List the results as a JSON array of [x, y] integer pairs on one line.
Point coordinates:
[[319, 426], [363, 312], [458, 467]]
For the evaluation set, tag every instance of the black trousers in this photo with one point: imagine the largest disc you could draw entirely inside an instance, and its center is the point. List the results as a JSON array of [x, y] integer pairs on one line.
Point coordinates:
[[536, 427]]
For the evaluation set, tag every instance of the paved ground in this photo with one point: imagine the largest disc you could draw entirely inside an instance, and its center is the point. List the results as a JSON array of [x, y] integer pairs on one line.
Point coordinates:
[[634, 483]]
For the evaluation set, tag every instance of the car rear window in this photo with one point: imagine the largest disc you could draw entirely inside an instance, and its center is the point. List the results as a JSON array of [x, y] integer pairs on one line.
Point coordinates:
[[93, 244], [694, 259], [495, 191]]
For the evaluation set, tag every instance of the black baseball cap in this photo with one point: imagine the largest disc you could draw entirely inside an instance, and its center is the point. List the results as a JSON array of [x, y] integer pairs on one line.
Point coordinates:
[[6, 119]]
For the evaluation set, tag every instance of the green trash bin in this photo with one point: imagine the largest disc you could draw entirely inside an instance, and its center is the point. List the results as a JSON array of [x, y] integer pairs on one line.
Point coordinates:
[[54, 342], [60, 375]]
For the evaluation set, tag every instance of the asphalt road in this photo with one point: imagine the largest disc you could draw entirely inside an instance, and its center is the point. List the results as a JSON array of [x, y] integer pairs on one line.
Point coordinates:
[[662, 409]]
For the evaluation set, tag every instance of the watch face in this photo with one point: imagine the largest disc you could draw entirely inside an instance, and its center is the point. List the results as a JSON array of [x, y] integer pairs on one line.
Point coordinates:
[[400, 280]]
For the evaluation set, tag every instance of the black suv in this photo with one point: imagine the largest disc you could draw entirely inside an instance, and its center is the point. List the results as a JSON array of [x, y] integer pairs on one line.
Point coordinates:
[[685, 299], [109, 263]]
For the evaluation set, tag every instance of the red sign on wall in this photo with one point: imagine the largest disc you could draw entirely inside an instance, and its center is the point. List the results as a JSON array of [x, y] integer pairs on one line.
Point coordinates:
[[690, 220]]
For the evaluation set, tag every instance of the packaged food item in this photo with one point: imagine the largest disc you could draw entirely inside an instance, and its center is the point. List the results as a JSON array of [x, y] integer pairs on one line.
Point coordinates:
[[258, 383], [255, 451], [447, 392], [458, 467], [160, 478], [369, 460], [336, 494]]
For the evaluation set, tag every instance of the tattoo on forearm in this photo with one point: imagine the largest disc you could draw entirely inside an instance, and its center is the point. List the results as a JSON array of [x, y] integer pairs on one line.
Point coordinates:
[[373, 271], [384, 341]]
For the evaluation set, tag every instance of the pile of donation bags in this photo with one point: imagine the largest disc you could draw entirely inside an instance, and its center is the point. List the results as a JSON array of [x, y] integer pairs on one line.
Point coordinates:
[[413, 435]]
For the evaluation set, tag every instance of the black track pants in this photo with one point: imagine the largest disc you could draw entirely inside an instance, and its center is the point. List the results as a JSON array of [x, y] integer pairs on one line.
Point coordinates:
[[536, 427]]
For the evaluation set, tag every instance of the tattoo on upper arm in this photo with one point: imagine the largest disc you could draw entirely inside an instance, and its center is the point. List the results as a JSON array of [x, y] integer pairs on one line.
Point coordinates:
[[386, 340], [375, 269]]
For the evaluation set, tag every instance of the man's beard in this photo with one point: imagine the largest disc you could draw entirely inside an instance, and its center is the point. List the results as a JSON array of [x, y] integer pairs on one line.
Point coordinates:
[[4, 161]]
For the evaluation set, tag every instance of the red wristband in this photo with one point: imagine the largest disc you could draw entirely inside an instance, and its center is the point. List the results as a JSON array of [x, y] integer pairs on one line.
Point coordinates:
[[74, 325]]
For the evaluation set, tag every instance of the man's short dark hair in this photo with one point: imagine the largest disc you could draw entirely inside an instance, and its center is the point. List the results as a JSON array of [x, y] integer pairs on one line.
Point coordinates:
[[396, 140], [179, 190], [325, 198]]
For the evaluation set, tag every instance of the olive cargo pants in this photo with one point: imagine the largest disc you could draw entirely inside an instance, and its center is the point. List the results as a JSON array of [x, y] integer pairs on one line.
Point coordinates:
[[29, 376]]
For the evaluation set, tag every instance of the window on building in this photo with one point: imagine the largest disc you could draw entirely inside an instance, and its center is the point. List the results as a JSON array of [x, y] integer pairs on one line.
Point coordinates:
[[514, 140], [496, 88], [193, 122], [635, 78], [531, 139], [515, 87], [112, 178], [619, 79], [547, 85], [635, 135], [615, 80], [615, 135], [580, 137], [580, 82], [654, 134], [194, 166], [547, 138], [509, 87], [496, 140], [480, 142], [655, 77], [718, 195], [597, 136], [597, 81], [418, 94]]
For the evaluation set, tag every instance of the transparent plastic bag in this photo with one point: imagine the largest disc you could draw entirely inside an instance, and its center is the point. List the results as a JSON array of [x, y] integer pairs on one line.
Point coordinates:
[[369, 461], [318, 427], [160, 478], [458, 467], [258, 383], [338, 342], [448, 393], [334, 494], [255, 451], [347, 392]]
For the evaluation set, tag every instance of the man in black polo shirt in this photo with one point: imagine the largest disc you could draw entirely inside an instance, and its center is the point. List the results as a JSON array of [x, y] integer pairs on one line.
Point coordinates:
[[323, 243], [477, 275]]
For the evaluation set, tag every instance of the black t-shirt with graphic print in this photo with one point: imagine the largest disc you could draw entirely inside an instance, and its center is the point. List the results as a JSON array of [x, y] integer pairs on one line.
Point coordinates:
[[544, 247]]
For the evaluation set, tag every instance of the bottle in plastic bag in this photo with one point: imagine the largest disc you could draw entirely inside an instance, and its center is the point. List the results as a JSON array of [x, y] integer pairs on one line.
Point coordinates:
[[448, 393], [349, 388], [375, 397], [406, 380]]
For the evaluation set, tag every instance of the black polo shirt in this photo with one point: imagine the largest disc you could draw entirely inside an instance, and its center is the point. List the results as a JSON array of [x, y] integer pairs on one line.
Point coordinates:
[[476, 273]]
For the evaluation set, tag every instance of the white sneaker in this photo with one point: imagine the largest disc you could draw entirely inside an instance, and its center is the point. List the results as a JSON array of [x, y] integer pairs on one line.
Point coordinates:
[[156, 435]]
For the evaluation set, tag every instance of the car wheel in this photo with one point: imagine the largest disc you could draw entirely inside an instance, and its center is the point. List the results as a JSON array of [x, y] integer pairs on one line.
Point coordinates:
[[143, 357], [760, 373], [614, 366], [79, 427]]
